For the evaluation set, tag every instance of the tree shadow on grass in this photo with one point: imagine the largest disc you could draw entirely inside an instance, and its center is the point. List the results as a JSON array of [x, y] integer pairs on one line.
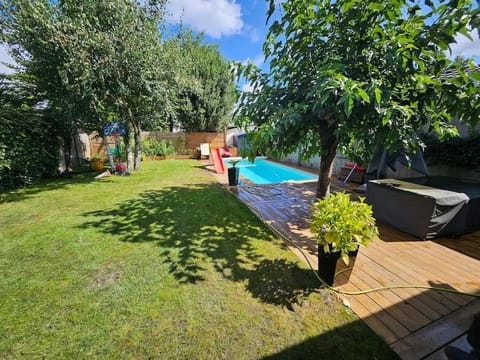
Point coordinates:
[[54, 183], [202, 228]]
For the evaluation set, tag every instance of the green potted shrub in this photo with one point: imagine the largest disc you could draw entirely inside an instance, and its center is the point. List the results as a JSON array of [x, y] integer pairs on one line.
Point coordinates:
[[233, 173], [340, 226]]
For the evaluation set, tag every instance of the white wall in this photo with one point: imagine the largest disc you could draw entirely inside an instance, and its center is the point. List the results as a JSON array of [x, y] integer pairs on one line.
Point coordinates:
[[314, 162], [230, 134]]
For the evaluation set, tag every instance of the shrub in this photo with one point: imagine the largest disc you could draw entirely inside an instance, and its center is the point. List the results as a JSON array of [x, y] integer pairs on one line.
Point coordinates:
[[29, 151], [342, 225], [458, 151], [152, 147]]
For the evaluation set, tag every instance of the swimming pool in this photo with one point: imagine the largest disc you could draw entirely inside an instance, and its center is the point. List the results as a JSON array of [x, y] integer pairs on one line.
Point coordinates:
[[263, 171]]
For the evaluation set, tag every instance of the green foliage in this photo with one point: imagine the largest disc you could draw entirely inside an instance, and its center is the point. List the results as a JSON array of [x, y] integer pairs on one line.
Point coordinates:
[[165, 264], [342, 225], [152, 147], [457, 151], [363, 72], [205, 92], [234, 162], [28, 152], [29, 140], [93, 61]]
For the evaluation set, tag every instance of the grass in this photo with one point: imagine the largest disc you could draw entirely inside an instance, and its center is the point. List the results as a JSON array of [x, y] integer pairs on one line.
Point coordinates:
[[161, 264]]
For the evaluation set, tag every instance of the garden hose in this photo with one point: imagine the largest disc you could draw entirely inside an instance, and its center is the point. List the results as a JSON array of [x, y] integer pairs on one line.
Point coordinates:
[[360, 292]]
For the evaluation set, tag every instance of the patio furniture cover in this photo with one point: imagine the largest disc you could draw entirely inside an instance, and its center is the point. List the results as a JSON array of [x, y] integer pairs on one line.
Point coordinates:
[[395, 165], [471, 188], [421, 210]]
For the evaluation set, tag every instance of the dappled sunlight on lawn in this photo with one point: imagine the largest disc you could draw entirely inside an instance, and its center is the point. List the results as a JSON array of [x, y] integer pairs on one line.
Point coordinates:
[[201, 227]]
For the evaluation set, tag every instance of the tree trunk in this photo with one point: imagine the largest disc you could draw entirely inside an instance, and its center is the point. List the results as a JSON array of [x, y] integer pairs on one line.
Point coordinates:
[[128, 148], [329, 144], [109, 153], [170, 125], [67, 145], [76, 140], [137, 132], [137, 146]]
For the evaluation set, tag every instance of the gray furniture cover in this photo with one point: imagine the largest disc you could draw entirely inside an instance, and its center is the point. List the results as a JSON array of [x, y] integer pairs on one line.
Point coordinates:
[[426, 207], [395, 165]]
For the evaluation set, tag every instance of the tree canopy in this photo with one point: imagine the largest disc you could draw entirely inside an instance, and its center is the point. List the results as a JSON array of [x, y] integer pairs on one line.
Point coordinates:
[[205, 92], [94, 61], [363, 72]]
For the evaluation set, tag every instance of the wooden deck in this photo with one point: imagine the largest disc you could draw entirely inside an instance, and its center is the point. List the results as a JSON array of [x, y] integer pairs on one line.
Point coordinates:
[[416, 323]]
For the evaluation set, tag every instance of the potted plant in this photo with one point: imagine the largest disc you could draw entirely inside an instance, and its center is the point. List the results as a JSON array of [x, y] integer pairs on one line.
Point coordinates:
[[233, 173], [340, 226], [97, 163]]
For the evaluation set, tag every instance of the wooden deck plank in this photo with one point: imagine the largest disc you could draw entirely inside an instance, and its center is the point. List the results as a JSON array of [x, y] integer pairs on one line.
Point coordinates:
[[390, 302], [399, 274], [460, 343], [406, 318], [440, 333], [416, 310], [372, 313], [373, 322], [423, 272]]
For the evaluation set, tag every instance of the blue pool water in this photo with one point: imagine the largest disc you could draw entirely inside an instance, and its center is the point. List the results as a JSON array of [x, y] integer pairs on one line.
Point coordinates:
[[263, 171]]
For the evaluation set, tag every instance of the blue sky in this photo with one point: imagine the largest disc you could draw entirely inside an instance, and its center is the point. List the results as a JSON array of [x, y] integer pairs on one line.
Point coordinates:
[[238, 27]]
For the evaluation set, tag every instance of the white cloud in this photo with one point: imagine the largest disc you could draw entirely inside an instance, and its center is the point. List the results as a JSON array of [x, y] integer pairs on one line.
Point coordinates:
[[5, 58], [253, 33], [250, 87], [466, 47], [258, 60], [216, 18]]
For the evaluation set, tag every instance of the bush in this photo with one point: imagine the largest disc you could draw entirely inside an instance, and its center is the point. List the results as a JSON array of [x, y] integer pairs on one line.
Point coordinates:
[[152, 147], [458, 151], [29, 150]]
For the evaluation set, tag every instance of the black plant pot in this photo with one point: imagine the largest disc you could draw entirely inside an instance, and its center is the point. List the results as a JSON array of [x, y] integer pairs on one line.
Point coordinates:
[[331, 264], [233, 173]]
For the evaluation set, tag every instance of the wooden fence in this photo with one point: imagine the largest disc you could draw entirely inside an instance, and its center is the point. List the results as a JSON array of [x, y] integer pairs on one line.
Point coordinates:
[[184, 143]]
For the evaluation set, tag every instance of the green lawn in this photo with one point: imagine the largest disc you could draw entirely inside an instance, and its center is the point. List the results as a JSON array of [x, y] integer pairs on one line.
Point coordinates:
[[162, 264]]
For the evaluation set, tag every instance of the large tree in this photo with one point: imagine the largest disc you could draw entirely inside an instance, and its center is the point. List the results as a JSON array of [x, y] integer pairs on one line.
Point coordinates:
[[205, 95], [369, 72], [94, 61]]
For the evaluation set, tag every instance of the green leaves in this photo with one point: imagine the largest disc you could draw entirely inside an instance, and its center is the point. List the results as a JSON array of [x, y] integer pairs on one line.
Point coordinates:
[[205, 98], [372, 69], [342, 225], [378, 95]]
